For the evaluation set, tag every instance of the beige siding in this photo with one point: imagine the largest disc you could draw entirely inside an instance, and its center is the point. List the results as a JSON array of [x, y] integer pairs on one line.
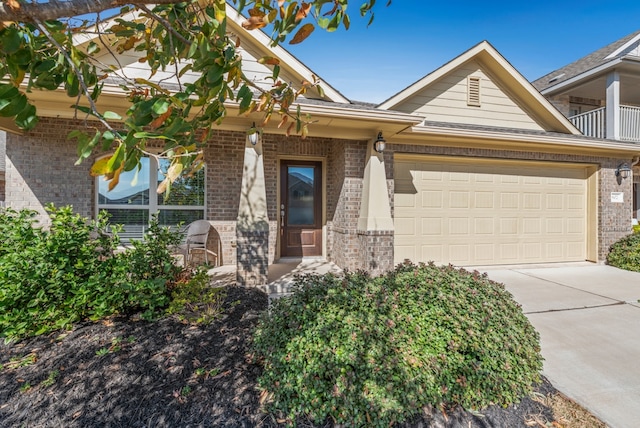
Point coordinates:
[[487, 212], [446, 101], [255, 71]]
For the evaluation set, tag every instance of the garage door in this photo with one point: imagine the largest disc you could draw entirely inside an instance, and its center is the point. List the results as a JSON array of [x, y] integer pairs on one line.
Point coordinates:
[[486, 212]]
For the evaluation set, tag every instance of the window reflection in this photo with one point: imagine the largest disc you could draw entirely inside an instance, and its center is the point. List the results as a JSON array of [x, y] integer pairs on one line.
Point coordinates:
[[300, 200]]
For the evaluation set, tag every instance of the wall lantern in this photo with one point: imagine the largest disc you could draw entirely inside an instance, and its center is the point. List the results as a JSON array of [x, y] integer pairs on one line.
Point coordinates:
[[253, 134], [623, 171], [379, 144]]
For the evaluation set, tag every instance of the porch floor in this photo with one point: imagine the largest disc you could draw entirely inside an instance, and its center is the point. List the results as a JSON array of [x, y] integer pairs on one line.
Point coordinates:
[[281, 273]]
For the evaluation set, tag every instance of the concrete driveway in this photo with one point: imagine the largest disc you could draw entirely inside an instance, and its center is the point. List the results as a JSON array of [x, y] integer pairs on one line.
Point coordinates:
[[588, 317]]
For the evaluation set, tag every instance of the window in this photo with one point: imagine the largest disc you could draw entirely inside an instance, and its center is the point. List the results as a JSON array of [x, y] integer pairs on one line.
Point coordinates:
[[134, 200]]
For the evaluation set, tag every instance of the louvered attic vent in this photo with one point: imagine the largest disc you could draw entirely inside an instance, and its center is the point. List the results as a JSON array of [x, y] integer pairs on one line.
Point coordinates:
[[473, 91]]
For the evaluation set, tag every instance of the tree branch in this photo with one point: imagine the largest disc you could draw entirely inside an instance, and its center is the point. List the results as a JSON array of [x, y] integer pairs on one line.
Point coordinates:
[[85, 90], [166, 24], [41, 11]]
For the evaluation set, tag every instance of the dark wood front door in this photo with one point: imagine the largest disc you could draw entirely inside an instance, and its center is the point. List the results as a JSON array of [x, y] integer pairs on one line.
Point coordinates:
[[300, 208]]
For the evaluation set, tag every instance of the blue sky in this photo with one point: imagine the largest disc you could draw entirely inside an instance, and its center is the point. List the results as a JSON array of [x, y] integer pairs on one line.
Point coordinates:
[[409, 39]]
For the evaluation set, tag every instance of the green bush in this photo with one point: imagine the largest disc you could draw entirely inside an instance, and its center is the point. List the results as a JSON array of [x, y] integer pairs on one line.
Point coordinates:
[[194, 300], [51, 278], [372, 351], [625, 253]]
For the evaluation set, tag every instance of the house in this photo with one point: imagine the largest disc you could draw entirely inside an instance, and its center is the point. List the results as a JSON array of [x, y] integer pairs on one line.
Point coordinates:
[[600, 94], [470, 165]]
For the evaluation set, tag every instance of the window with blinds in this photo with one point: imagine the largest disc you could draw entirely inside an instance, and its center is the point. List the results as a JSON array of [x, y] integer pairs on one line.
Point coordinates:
[[135, 199]]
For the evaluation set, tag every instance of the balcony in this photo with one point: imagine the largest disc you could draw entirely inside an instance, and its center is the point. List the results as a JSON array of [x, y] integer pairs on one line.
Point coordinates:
[[594, 123]]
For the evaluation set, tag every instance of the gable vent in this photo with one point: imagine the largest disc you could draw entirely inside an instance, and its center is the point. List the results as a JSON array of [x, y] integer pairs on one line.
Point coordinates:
[[473, 91]]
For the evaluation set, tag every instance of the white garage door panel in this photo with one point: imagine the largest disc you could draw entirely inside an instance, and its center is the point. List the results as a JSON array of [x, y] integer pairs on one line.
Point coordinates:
[[489, 212]]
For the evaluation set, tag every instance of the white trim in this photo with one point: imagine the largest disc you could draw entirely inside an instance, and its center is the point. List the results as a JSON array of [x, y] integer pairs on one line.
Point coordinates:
[[624, 47], [582, 76]]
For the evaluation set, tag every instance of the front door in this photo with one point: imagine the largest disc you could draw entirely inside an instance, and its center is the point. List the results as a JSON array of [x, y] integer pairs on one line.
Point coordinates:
[[300, 208]]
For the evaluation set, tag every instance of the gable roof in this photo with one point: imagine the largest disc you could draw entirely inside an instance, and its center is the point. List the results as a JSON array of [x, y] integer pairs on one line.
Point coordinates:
[[518, 87], [254, 45], [595, 62]]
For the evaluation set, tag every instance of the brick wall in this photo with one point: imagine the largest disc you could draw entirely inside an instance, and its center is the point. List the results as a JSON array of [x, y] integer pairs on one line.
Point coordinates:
[[614, 219], [2, 187], [347, 172], [40, 169]]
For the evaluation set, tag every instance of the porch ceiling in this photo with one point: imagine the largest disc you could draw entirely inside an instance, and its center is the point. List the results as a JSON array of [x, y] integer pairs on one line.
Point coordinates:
[[332, 120]]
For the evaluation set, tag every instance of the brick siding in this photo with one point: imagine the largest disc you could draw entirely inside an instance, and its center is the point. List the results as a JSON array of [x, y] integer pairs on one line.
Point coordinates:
[[40, 169]]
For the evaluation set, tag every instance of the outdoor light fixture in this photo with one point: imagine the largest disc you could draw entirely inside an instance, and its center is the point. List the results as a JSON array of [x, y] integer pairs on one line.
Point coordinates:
[[253, 134], [623, 171], [379, 144]]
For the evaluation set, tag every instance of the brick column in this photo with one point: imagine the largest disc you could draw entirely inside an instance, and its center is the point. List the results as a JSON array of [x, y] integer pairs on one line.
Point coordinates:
[[375, 225], [252, 225], [253, 257]]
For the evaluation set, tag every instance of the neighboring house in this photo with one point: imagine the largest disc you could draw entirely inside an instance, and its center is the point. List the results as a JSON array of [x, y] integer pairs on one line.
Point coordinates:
[[600, 94], [478, 169]]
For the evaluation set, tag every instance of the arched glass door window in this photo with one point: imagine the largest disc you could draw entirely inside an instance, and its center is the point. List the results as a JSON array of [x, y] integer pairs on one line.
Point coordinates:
[[135, 199]]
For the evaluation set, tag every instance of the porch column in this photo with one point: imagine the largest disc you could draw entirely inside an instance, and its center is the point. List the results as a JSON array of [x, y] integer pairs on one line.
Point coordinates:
[[613, 106], [252, 225], [375, 225]]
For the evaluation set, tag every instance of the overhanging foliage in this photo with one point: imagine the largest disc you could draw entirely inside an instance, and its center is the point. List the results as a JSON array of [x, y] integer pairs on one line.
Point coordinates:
[[44, 47]]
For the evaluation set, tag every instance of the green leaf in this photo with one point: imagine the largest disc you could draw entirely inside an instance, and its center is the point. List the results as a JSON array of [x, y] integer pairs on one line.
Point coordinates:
[[27, 118], [72, 85], [245, 96], [93, 48], [16, 105], [145, 135], [21, 57], [46, 65], [110, 115], [161, 106], [116, 159], [8, 91], [11, 40]]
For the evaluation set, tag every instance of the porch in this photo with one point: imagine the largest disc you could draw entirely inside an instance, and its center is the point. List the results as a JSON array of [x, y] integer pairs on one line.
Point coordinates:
[[281, 274], [593, 123]]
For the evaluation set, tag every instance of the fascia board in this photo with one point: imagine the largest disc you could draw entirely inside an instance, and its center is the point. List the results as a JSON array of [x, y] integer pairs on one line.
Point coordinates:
[[350, 122], [431, 77], [582, 76], [505, 140], [526, 92]]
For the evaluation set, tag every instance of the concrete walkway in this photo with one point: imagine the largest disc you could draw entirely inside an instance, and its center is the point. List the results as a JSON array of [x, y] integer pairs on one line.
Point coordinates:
[[281, 274], [588, 317]]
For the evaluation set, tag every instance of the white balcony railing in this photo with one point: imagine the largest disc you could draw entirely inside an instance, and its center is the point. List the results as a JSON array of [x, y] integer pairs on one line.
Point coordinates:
[[593, 123], [629, 123]]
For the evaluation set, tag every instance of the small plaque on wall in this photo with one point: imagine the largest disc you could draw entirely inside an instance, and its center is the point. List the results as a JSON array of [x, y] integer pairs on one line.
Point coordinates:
[[617, 197]]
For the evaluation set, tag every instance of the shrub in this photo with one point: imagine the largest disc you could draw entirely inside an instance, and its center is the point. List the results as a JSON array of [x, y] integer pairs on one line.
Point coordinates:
[[625, 254], [52, 278], [194, 300], [373, 351]]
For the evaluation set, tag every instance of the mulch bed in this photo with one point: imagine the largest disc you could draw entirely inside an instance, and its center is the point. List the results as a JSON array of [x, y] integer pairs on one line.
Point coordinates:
[[131, 373]]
